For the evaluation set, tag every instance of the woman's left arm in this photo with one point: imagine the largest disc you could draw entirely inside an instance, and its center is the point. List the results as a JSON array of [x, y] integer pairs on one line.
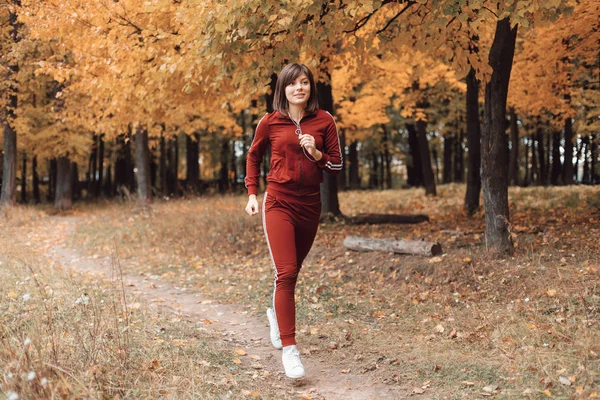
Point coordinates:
[[332, 159]]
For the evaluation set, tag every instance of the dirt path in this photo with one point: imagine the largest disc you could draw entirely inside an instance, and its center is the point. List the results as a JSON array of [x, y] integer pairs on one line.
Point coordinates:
[[235, 324]]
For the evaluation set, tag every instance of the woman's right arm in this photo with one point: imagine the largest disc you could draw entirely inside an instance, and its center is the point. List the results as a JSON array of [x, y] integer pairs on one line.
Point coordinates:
[[255, 155]]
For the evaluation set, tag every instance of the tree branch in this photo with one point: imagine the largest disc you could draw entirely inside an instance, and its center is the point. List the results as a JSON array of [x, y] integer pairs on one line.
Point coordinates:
[[408, 5], [363, 21]]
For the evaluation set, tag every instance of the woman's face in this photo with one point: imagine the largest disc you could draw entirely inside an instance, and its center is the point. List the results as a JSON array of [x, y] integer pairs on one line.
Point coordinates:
[[298, 91]]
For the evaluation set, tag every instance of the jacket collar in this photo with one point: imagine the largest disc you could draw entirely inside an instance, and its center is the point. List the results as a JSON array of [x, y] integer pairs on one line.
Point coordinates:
[[284, 116]]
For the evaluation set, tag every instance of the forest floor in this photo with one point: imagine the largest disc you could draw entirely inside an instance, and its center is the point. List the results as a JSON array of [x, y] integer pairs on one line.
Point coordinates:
[[108, 300]]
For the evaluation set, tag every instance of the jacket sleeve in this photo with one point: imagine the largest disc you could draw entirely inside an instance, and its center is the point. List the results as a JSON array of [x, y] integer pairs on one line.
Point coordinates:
[[332, 160], [255, 155]]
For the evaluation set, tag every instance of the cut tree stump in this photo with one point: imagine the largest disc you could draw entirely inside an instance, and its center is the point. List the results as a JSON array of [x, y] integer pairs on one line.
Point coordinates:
[[416, 247], [388, 219]]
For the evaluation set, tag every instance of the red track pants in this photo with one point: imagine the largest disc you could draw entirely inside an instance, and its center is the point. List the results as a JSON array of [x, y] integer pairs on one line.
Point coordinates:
[[290, 225]]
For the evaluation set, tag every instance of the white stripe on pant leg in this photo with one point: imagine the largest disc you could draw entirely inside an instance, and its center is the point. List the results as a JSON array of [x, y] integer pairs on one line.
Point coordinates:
[[264, 220]]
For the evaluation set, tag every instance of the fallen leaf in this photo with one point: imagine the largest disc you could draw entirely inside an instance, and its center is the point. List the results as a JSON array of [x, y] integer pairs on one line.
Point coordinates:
[[241, 352], [418, 390], [490, 388], [155, 364], [564, 380], [439, 328], [551, 292], [435, 260], [468, 383], [547, 393], [237, 361]]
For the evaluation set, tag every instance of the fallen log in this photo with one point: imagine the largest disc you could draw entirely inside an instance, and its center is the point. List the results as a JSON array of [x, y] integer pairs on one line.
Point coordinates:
[[388, 219], [416, 247]]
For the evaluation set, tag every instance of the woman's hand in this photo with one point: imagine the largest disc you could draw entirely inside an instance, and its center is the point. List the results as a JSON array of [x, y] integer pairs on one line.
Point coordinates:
[[308, 142], [252, 206]]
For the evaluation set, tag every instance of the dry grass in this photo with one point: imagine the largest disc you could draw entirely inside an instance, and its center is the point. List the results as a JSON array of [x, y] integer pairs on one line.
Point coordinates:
[[453, 324], [68, 335]]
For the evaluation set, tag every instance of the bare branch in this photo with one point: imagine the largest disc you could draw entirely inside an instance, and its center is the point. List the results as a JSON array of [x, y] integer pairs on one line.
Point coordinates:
[[408, 5]]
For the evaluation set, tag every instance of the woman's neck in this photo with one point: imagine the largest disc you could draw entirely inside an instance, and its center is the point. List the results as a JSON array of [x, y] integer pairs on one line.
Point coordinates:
[[296, 112]]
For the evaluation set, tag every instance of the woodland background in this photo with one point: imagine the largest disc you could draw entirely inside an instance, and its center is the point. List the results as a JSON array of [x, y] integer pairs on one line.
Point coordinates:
[[131, 119]]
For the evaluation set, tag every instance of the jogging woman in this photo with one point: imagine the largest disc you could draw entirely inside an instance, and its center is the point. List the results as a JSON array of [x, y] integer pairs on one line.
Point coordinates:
[[304, 142]]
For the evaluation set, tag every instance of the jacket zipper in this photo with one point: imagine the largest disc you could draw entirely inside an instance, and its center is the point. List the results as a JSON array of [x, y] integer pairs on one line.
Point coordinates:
[[299, 156]]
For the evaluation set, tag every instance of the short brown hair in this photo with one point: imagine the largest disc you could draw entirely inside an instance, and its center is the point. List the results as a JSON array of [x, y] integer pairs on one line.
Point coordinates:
[[288, 74]]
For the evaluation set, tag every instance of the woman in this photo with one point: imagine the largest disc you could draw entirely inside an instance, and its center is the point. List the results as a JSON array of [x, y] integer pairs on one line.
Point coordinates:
[[304, 142]]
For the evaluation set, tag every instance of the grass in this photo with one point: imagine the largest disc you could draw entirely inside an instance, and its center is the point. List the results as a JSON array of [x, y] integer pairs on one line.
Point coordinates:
[[452, 324], [70, 335]]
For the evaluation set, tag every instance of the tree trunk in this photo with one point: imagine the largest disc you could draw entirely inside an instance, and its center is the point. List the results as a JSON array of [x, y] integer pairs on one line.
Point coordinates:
[[586, 163], [64, 190], [244, 143], [361, 219], [387, 159], [459, 158], [448, 150], [91, 189], [436, 163], [526, 176], [342, 183], [568, 163], [542, 177], [330, 205], [353, 161], [414, 169], [416, 247], [493, 141], [24, 179], [75, 185], [233, 167], [162, 166], [224, 171], [428, 178], [52, 177], [9, 170], [36, 181], [100, 166], [534, 164], [173, 167], [124, 174], [373, 174], [594, 159], [142, 164], [556, 164], [381, 171], [192, 178], [474, 143], [513, 163], [108, 187]]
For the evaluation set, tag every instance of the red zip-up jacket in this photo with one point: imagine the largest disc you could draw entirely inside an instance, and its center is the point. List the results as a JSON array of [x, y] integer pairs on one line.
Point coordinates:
[[292, 170]]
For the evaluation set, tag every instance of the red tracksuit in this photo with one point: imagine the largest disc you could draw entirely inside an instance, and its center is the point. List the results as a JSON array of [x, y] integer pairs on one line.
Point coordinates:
[[292, 202]]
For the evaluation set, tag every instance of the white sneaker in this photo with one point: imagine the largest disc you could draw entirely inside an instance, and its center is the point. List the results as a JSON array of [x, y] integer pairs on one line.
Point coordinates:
[[291, 362], [275, 339]]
